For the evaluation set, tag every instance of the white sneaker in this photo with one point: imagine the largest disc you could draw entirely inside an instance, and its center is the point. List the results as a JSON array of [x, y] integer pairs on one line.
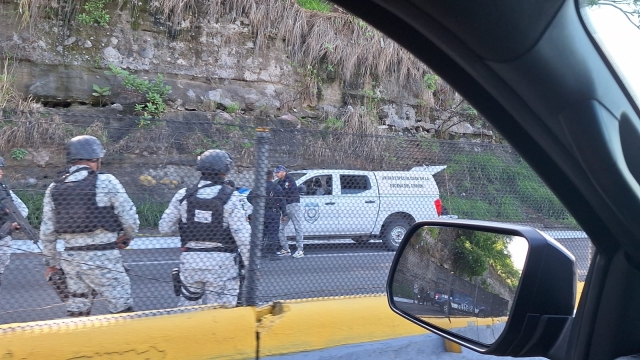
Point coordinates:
[[283, 252], [298, 254]]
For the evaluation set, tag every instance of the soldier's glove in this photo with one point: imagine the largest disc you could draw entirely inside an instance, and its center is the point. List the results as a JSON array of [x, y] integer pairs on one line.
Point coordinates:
[[123, 242]]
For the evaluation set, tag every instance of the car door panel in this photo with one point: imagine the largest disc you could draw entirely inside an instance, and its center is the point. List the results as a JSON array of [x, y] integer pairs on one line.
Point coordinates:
[[360, 203], [320, 208]]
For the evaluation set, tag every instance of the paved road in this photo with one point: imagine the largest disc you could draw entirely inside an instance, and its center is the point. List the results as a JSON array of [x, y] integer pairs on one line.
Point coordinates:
[[329, 269]]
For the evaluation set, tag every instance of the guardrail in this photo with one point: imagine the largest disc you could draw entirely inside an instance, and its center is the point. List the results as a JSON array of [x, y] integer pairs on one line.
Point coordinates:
[[205, 332]]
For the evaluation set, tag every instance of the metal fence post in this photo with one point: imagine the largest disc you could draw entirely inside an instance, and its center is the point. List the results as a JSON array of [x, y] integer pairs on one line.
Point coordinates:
[[263, 138]]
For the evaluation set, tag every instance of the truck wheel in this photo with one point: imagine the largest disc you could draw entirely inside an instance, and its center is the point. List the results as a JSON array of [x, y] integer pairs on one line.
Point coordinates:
[[393, 233], [361, 240]]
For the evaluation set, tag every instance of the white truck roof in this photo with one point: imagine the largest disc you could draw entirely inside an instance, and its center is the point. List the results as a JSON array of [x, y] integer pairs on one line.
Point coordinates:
[[431, 169]]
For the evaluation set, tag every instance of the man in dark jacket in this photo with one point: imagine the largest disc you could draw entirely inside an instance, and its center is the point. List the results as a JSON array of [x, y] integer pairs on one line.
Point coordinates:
[[294, 212], [275, 210]]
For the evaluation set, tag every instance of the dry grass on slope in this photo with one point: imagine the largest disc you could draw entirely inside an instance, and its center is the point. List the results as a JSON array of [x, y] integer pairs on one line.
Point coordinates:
[[35, 131], [345, 43], [342, 40]]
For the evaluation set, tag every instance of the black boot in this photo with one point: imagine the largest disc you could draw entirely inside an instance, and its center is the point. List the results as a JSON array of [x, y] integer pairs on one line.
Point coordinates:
[[78, 313]]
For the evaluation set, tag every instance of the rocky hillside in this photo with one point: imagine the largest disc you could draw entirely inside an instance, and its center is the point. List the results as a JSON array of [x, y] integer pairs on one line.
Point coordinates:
[[159, 82], [255, 57]]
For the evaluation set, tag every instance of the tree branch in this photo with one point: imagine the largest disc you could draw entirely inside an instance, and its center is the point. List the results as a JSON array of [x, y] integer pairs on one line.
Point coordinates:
[[626, 13]]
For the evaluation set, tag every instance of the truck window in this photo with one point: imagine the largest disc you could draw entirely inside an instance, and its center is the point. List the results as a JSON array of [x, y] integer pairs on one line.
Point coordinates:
[[319, 185], [297, 175], [354, 184]]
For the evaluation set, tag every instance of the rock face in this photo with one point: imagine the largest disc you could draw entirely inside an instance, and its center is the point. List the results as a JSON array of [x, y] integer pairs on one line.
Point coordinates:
[[210, 65], [218, 64]]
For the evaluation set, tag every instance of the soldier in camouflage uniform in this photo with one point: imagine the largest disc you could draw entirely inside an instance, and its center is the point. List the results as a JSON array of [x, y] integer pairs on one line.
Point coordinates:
[[5, 242], [214, 234], [89, 210]]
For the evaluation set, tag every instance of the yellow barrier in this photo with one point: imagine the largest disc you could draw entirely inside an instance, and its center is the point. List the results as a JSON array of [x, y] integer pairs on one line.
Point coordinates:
[[305, 326], [579, 292], [201, 334], [317, 324], [207, 333], [450, 346]]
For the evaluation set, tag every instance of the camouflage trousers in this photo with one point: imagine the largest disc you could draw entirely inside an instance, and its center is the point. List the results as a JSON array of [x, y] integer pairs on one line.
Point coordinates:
[[101, 271], [213, 274], [5, 252], [295, 214]]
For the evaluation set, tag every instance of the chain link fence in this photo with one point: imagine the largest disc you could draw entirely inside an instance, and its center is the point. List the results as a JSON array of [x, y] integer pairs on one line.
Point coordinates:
[[329, 228]]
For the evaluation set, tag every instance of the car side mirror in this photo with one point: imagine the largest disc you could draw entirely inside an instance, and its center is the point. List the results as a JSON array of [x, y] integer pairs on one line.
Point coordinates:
[[495, 288], [302, 189]]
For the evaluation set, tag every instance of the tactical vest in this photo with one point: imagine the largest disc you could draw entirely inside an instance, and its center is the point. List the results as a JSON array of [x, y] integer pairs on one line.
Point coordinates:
[[205, 219], [76, 208]]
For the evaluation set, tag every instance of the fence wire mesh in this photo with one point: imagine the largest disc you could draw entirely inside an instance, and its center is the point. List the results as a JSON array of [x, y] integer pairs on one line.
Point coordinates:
[[327, 225]]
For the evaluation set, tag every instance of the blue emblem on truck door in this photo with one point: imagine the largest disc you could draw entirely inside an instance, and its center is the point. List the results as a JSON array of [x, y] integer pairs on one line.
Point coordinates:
[[311, 212]]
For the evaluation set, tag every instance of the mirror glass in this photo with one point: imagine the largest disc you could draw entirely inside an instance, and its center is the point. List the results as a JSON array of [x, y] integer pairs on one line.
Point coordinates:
[[460, 280]]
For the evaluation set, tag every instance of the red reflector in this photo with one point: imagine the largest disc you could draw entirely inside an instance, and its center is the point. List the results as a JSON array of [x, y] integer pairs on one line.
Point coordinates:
[[438, 204]]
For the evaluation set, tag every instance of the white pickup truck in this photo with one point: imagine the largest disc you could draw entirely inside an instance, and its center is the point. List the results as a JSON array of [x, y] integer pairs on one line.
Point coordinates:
[[362, 205]]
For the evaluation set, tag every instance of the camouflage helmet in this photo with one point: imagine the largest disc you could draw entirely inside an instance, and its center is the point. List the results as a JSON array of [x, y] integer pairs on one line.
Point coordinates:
[[84, 147], [1, 162], [214, 161]]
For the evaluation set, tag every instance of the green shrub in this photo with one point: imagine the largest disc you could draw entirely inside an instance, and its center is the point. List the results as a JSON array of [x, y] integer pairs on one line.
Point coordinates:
[[18, 153], [430, 82], [469, 208], [94, 13], [33, 199], [149, 212], [475, 251], [154, 91], [315, 5], [333, 124], [509, 208], [232, 108], [491, 188]]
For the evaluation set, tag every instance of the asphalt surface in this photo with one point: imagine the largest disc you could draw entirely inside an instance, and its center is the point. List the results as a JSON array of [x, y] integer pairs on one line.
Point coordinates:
[[328, 269], [422, 310]]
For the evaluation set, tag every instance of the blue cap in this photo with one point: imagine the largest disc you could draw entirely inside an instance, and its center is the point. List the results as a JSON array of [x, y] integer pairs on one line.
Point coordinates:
[[280, 168]]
